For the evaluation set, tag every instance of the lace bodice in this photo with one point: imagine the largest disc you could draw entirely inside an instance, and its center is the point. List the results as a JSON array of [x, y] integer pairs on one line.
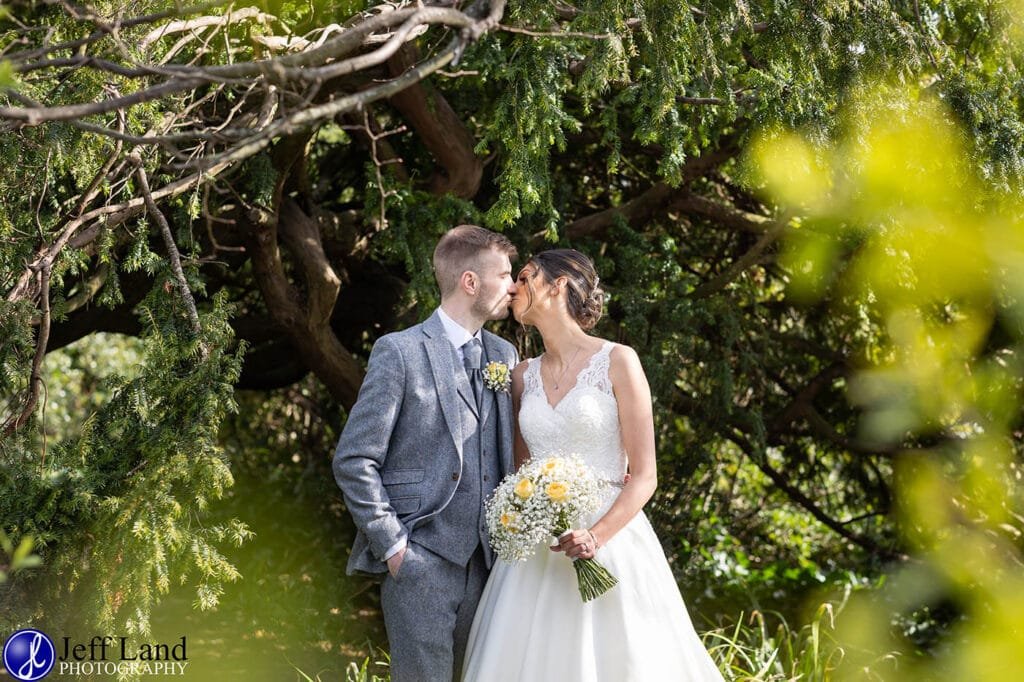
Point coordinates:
[[585, 421]]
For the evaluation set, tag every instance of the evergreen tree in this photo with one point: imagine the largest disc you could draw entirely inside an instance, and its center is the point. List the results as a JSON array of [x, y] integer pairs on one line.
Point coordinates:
[[255, 192]]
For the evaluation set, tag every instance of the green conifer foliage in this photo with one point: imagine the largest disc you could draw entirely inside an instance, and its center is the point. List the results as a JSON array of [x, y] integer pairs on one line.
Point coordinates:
[[622, 128], [116, 511]]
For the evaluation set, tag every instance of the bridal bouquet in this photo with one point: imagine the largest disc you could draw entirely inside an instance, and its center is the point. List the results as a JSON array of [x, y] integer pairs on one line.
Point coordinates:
[[546, 498]]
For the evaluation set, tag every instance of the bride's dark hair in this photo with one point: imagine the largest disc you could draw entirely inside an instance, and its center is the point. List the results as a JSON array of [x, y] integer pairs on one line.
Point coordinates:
[[585, 298]]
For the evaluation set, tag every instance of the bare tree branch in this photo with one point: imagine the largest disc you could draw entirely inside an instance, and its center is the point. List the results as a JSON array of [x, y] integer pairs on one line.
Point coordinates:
[[97, 219], [722, 214], [801, 499], [310, 116], [35, 116], [752, 256], [655, 200], [376, 140], [204, 22], [315, 65], [536, 33], [735, 430], [172, 249], [218, 146], [42, 338], [177, 11]]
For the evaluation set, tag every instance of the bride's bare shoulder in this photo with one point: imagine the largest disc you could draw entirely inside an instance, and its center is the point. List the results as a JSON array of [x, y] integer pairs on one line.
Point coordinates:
[[624, 362], [517, 378]]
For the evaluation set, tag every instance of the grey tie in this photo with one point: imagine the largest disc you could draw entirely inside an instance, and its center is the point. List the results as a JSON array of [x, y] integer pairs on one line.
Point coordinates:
[[472, 355]]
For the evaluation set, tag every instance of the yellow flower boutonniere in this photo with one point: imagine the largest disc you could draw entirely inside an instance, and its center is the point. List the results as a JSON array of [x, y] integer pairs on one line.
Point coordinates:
[[498, 376]]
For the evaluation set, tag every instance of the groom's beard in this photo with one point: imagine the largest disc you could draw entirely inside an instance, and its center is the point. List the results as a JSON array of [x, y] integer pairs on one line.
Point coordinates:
[[497, 312]]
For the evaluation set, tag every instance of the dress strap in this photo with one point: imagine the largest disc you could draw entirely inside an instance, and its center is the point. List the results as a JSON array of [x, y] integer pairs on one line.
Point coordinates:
[[531, 382], [595, 374]]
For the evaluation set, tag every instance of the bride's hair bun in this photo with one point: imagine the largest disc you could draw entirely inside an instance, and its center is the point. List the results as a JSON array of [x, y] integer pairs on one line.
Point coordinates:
[[592, 309], [585, 298]]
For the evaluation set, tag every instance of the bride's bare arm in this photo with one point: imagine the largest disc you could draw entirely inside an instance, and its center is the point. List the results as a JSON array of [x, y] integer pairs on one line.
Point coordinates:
[[520, 453], [636, 419]]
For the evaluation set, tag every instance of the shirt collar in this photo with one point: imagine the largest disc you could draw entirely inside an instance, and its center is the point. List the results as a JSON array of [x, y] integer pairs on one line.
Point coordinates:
[[457, 334]]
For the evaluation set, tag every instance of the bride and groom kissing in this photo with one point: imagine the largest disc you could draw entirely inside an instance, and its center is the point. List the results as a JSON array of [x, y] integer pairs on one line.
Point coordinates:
[[432, 434]]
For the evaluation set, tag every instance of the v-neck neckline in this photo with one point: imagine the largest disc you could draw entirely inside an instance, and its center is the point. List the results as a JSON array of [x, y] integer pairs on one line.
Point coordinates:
[[576, 381]]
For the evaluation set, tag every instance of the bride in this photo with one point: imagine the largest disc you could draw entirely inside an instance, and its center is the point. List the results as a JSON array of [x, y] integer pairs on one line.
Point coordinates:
[[587, 396]]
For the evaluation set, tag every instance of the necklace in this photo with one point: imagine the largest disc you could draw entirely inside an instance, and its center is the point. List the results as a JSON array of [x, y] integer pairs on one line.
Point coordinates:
[[566, 367]]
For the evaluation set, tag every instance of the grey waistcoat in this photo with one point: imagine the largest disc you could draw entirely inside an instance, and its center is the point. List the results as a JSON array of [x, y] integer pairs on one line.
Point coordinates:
[[445, 534]]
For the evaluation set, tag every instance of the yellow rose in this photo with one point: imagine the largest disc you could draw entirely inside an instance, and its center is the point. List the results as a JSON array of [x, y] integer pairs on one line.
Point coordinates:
[[524, 489], [557, 491], [508, 520], [550, 466]]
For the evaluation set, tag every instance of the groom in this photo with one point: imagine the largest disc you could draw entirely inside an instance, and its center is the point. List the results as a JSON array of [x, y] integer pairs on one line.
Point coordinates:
[[425, 444]]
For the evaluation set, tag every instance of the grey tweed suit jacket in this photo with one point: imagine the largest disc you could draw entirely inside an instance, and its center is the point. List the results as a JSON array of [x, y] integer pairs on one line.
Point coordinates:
[[399, 457]]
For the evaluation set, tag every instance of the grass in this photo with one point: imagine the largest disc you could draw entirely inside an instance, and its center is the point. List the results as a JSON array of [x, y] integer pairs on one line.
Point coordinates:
[[760, 647], [765, 647], [358, 673]]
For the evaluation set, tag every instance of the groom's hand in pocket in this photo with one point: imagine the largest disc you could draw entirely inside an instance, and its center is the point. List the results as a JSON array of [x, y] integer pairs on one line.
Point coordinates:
[[395, 561]]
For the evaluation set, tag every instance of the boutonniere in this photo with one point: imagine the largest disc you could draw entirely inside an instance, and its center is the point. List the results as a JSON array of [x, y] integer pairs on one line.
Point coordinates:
[[498, 376]]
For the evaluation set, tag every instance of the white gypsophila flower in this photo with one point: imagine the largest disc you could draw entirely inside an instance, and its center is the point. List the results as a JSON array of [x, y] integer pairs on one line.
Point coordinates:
[[543, 499]]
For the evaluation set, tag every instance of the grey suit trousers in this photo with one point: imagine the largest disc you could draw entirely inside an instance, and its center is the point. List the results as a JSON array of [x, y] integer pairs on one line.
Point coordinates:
[[431, 649]]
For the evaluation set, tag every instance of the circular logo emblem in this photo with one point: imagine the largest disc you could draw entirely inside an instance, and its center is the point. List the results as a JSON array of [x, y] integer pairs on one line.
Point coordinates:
[[29, 655]]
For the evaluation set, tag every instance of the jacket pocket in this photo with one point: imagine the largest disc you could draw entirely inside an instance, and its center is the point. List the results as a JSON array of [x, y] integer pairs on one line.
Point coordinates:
[[405, 505], [400, 476]]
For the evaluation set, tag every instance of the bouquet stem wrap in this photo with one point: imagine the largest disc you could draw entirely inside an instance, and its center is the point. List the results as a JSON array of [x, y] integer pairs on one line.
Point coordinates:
[[592, 577]]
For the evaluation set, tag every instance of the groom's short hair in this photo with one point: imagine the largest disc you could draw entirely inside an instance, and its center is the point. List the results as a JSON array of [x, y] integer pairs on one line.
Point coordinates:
[[460, 249]]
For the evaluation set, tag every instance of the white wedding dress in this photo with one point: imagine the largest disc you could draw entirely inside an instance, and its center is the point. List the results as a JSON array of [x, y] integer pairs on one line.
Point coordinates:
[[531, 625]]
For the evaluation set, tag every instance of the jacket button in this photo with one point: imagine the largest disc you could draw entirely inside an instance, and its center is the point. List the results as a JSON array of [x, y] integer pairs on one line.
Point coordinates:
[[486, 478], [455, 475]]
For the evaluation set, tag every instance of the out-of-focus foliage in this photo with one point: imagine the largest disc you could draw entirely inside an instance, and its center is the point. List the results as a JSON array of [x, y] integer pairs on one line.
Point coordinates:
[[79, 380], [937, 263], [16, 558]]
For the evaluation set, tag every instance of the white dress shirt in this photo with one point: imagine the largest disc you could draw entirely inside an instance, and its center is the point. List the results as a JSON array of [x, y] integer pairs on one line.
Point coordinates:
[[457, 334]]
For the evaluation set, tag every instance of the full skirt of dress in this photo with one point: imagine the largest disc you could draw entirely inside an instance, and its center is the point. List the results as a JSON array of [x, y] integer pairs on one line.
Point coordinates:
[[532, 626]]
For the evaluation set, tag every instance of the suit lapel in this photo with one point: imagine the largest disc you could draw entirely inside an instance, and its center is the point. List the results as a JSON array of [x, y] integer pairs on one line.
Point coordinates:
[[442, 365]]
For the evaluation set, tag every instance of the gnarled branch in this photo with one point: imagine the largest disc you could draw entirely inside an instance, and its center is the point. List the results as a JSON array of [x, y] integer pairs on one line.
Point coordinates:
[[305, 322], [441, 131]]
